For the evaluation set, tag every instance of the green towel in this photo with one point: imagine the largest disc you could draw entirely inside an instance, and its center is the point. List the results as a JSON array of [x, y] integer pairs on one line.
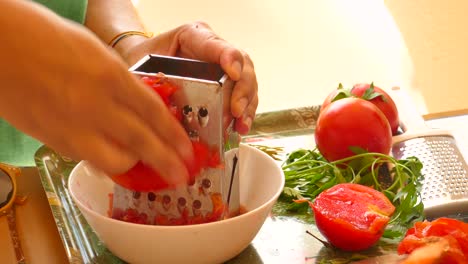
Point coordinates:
[[17, 148], [72, 9]]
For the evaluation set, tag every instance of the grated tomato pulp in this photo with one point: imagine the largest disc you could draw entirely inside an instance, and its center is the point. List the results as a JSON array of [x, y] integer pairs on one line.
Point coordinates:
[[352, 217]]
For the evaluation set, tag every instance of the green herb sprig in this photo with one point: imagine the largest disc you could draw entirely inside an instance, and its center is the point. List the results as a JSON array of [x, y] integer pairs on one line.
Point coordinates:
[[308, 173]]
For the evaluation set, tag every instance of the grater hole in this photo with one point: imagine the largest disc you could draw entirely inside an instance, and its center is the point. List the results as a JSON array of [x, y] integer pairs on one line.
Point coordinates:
[[193, 135], [196, 204], [136, 195], [203, 116], [166, 199], [181, 201], [186, 110], [151, 196], [206, 183]]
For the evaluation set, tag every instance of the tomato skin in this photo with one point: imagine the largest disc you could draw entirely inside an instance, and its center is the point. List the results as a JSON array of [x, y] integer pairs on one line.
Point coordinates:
[[329, 99], [352, 217], [450, 231], [352, 122], [144, 179], [140, 178], [384, 103], [433, 250]]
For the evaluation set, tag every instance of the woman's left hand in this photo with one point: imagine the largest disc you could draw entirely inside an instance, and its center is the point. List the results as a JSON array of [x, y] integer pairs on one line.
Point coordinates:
[[198, 41]]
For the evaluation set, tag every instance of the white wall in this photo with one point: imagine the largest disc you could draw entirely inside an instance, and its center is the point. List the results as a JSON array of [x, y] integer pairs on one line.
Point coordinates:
[[436, 35], [303, 48]]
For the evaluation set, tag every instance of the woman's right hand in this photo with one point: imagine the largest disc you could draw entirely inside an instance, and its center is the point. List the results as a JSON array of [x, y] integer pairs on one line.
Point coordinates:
[[61, 85]]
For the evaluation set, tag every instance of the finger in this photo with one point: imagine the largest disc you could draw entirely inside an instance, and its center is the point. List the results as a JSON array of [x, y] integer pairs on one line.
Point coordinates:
[[244, 91], [146, 104], [198, 41], [100, 152], [244, 123], [61, 145], [128, 131]]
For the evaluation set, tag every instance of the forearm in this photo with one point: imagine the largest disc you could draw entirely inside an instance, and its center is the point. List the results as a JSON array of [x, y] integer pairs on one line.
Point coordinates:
[[41, 54], [108, 18]]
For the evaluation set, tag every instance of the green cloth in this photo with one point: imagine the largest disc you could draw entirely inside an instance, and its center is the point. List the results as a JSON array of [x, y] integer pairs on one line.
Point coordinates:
[[72, 9], [17, 148]]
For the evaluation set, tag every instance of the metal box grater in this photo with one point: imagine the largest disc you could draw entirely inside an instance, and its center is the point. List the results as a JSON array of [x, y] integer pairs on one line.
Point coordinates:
[[203, 97], [445, 185]]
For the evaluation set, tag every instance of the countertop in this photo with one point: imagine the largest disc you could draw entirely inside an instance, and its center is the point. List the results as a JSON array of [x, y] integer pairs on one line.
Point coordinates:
[[39, 235]]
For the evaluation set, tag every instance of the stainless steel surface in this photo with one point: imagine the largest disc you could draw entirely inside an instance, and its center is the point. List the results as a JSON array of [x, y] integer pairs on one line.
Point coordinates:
[[282, 239], [384, 259], [203, 97], [445, 184]]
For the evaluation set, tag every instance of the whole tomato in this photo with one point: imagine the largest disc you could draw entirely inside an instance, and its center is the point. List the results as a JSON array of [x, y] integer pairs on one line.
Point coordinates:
[[371, 93], [352, 217], [348, 123], [381, 99]]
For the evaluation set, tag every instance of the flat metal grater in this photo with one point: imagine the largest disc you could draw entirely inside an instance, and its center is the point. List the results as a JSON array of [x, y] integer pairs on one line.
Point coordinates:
[[445, 184], [203, 100]]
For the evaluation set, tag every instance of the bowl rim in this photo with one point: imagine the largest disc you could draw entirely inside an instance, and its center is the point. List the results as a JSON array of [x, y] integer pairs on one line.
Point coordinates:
[[178, 227]]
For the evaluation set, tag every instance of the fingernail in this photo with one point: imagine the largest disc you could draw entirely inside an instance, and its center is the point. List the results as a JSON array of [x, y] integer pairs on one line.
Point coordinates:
[[248, 122], [242, 105], [187, 153], [236, 70], [243, 126]]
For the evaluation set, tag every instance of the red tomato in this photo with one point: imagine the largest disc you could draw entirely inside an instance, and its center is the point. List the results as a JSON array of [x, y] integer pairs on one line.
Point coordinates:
[[351, 216], [352, 122], [384, 102], [371, 93], [452, 232], [143, 179], [161, 86], [437, 250], [330, 98], [140, 178], [131, 215]]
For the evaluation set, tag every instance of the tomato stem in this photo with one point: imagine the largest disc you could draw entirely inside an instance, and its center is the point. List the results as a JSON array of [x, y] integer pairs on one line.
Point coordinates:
[[325, 243]]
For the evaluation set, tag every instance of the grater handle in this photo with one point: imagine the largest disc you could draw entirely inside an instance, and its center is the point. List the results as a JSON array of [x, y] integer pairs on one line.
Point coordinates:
[[410, 118]]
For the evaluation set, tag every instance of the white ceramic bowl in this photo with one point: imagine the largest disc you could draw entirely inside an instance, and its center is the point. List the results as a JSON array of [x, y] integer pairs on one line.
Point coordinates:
[[261, 182]]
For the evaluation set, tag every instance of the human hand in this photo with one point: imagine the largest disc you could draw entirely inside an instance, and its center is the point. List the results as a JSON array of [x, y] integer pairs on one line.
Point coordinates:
[[61, 85], [198, 41]]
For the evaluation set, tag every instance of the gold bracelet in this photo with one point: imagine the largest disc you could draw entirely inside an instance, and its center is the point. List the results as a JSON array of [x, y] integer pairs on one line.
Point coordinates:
[[125, 34]]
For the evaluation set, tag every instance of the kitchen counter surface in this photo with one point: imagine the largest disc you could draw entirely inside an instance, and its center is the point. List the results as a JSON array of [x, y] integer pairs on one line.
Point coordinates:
[[38, 231]]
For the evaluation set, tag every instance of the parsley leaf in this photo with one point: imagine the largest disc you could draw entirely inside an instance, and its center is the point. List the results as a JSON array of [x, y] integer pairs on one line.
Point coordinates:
[[308, 174]]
